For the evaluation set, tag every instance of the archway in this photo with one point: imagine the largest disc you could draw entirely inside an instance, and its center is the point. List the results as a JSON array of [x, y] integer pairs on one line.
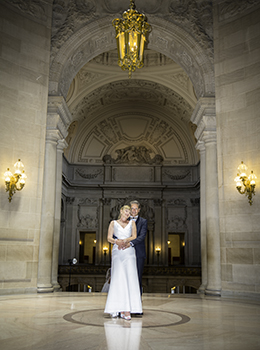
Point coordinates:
[[98, 37]]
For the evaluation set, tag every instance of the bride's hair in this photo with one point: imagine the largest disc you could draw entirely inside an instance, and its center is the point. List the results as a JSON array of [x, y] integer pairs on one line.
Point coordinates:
[[123, 208]]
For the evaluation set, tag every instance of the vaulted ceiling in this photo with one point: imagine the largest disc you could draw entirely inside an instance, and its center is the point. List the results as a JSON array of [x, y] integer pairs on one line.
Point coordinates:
[[111, 111]]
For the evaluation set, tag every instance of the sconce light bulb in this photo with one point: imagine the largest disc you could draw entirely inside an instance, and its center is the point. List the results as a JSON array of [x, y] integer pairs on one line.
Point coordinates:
[[238, 181], [8, 175], [242, 169], [252, 177], [18, 167]]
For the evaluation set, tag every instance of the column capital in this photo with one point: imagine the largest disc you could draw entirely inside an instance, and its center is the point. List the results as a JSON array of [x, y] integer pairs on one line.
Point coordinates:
[[205, 107], [207, 124], [200, 146], [53, 135], [58, 115], [209, 137], [62, 144]]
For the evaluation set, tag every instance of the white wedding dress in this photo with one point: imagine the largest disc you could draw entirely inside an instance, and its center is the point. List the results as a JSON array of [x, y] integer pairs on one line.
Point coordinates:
[[124, 290]]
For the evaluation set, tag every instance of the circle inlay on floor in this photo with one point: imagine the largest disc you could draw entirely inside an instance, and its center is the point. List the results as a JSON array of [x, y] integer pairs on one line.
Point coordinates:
[[151, 318]]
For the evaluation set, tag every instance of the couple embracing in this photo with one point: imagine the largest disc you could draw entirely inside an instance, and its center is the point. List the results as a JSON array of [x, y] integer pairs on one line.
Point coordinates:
[[127, 234]]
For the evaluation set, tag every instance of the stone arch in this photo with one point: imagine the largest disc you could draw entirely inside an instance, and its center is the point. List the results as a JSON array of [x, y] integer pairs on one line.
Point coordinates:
[[99, 36]]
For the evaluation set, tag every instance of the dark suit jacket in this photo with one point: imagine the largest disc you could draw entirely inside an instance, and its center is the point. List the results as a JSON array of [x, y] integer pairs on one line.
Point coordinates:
[[139, 242]]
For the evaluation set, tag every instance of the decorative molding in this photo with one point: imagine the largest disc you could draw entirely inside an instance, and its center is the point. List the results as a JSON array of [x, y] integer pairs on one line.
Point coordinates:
[[206, 125], [133, 90], [34, 8], [182, 44], [110, 132], [230, 9], [176, 224], [100, 270], [177, 175], [194, 17], [88, 201], [177, 202], [88, 175], [70, 16], [87, 215], [58, 115], [70, 200], [177, 216], [204, 106]]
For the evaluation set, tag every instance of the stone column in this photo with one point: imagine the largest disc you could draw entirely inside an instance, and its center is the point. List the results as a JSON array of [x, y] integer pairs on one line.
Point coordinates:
[[204, 116], [212, 216], [203, 239], [57, 218], [58, 120], [47, 217]]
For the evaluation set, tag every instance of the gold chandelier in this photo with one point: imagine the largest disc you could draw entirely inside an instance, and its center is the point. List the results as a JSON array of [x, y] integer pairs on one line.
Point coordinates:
[[131, 34]]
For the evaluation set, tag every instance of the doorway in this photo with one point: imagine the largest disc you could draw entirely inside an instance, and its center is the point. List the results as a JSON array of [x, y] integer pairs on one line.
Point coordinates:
[[176, 248], [87, 248]]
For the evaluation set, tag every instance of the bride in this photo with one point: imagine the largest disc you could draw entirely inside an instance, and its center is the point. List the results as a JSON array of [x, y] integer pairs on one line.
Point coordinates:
[[124, 291]]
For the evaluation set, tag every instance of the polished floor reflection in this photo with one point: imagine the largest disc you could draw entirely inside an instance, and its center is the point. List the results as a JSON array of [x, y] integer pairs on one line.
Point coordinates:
[[76, 321]]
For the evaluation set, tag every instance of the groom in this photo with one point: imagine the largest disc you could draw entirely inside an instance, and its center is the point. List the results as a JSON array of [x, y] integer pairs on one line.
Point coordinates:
[[139, 242]]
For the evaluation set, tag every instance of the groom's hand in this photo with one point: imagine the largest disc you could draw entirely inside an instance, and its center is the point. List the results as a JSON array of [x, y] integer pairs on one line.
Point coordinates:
[[127, 245], [120, 244]]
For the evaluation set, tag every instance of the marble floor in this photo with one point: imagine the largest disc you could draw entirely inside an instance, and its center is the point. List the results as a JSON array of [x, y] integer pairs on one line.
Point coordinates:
[[76, 321]]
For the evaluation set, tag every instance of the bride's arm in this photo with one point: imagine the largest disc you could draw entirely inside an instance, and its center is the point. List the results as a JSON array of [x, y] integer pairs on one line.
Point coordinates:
[[110, 234], [133, 233]]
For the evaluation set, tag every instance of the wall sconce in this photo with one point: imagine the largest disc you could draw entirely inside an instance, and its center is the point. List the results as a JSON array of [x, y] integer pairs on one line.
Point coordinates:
[[105, 250], [248, 182], [158, 249], [15, 182]]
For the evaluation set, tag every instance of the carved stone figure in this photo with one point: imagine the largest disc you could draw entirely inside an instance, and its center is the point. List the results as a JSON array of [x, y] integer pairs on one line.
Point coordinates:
[[134, 155]]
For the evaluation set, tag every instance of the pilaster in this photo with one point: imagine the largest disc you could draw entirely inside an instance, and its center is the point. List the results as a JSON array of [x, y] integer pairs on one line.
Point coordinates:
[[58, 119], [204, 117]]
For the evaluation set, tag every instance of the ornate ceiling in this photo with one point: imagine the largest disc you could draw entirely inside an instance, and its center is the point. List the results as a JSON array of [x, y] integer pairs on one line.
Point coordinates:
[[112, 112]]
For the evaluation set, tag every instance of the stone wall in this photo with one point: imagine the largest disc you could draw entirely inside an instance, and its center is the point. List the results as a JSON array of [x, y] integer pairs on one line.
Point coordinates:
[[237, 70], [25, 32]]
